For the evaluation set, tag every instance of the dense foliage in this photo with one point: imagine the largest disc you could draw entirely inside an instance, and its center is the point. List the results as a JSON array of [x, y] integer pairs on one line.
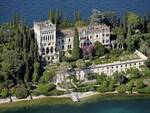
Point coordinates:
[[21, 92], [19, 60]]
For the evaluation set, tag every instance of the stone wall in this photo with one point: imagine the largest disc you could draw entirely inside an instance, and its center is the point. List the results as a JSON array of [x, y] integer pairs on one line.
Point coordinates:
[[108, 69]]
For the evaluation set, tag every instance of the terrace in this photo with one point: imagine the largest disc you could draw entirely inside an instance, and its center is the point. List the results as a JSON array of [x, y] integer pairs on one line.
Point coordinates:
[[110, 58]]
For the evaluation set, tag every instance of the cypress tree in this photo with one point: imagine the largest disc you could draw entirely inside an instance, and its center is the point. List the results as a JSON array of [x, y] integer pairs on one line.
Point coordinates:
[[76, 49], [77, 16], [130, 42], [125, 22]]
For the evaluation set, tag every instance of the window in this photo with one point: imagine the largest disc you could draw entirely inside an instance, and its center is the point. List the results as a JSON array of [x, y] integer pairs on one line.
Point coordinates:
[[52, 57], [134, 63], [51, 50], [103, 34], [47, 50], [43, 51], [96, 35], [107, 34], [68, 46], [62, 47], [69, 39], [116, 66], [107, 41], [87, 44], [103, 41], [62, 41], [90, 37]]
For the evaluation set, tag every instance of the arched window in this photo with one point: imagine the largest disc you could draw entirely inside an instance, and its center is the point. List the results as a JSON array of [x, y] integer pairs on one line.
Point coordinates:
[[47, 50], [51, 49], [43, 51]]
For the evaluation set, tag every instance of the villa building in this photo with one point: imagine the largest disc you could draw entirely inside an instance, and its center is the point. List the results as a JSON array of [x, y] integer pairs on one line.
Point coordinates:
[[51, 41], [90, 34]]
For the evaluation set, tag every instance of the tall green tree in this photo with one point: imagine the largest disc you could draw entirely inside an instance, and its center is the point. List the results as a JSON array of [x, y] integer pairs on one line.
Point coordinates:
[[76, 50], [133, 20], [77, 15], [99, 49], [36, 73]]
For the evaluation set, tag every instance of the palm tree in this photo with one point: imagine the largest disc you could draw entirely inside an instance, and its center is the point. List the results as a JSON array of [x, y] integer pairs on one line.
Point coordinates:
[[120, 42]]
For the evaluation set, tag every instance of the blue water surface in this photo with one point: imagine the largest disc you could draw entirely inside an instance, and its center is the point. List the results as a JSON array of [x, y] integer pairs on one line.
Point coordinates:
[[106, 106], [34, 10]]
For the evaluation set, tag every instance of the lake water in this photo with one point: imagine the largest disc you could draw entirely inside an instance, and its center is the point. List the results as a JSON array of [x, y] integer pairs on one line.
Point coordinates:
[[103, 106], [34, 10]]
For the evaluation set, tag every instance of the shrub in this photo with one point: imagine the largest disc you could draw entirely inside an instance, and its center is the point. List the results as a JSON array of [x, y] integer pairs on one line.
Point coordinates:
[[102, 89], [99, 49], [111, 86], [145, 90], [139, 84], [45, 88], [5, 92], [121, 89], [86, 88], [21, 92], [130, 86], [55, 93], [80, 63], [116, 51], [48, 75], [91, 76], [133, 73]]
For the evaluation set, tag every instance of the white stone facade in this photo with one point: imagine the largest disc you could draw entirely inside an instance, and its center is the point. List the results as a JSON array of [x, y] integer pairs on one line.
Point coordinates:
[[107, 69], [51, 41], [45, 34], [90, 34]]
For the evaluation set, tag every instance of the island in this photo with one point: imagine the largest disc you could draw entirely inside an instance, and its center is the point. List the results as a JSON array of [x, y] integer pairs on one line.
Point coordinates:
[[58, 58]]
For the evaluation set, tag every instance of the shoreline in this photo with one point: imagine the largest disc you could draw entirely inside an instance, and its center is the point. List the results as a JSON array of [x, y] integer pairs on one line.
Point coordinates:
[[81, 96], [14, 99], [53, 100]]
